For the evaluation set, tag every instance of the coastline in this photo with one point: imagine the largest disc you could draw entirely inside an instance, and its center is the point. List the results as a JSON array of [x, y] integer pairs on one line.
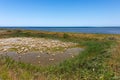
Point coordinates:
[[87, 30]]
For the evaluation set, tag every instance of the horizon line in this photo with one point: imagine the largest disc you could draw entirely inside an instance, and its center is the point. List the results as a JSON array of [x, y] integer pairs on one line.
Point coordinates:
[[59, 26]]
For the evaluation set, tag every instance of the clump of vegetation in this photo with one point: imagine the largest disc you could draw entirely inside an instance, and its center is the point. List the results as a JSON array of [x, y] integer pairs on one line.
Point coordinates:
[[65, 35], [8, 31]]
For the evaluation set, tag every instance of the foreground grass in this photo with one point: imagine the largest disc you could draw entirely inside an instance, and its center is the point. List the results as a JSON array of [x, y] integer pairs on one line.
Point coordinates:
[[114, 61], [92, 64]]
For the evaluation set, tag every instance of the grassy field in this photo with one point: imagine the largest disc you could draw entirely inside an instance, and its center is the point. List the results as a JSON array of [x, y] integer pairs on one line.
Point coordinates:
[[99, 61]]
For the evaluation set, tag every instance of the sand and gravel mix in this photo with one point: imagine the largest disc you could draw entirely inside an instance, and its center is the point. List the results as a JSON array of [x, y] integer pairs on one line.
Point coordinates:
[[23, 45]]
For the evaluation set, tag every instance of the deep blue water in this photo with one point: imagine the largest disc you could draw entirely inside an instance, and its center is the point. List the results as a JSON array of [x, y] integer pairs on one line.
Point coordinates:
[[104, 30]]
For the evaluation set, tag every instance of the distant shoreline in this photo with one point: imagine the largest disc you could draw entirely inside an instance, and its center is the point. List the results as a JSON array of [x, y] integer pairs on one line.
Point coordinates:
[[91, 30], [61, 26]]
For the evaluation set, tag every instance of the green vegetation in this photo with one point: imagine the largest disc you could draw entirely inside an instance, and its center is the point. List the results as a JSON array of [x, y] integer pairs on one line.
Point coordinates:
[[94, 63], [65, 35]]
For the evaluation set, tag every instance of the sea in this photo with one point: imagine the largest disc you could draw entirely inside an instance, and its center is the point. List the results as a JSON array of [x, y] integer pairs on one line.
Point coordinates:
[[97, 30]]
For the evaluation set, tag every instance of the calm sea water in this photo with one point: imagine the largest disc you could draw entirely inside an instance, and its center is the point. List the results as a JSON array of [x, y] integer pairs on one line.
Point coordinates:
[[104, 30]]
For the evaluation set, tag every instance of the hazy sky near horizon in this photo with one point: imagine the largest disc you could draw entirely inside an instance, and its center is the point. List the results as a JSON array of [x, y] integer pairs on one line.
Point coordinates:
[[59, 12]]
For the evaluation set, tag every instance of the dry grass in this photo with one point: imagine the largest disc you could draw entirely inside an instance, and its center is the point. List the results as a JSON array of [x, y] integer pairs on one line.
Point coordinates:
[[79, 35], [7, 33], [114, 61]]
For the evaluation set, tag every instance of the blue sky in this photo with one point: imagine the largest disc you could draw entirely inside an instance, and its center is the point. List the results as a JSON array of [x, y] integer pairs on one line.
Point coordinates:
[[59, 12]]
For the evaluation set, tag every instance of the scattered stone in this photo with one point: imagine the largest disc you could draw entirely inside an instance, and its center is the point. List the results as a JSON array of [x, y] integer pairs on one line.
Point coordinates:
[[24, 45]]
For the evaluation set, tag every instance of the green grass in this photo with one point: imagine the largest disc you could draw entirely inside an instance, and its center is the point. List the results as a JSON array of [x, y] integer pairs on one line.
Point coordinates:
[[87, 65], [91, 64]]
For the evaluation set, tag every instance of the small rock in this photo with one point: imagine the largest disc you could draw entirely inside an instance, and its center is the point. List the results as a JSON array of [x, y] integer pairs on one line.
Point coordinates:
[[39, 62], [22, 48], [19, 56], [51, 59], [38, 56], [72, 56], [4, 50], [41, 51], [53, 54], [25, 50]]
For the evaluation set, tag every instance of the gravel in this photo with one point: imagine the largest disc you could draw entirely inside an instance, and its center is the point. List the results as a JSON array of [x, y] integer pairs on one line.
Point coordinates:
[[23, 45]]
